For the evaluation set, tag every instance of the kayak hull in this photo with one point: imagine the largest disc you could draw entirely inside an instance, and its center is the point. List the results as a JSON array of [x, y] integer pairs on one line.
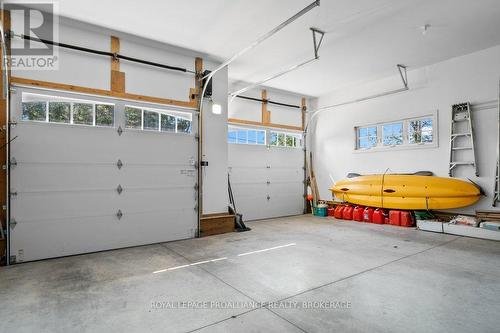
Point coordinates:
[[410, 192]]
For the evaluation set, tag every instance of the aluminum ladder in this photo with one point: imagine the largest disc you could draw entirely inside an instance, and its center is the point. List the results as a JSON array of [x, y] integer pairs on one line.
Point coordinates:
[[461, 113]]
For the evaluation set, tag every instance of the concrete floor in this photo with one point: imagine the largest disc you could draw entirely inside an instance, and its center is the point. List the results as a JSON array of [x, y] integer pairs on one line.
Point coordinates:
[[372, 279]]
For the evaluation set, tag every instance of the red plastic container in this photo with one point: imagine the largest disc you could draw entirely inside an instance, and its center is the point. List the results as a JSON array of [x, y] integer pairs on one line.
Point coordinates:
[[407, 219], [379, 216], [368, 214], [331, 211], [347, 213], [338, 211], [395, 217], [357, 213]]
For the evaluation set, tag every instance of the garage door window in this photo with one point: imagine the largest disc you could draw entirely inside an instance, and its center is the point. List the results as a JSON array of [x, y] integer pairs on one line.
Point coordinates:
[[158, 120], [246, 136], [53, 109], [59, 112], [104, 115], [133, 117], [83, 114], [34, 111], [283, 139], [151, 120]]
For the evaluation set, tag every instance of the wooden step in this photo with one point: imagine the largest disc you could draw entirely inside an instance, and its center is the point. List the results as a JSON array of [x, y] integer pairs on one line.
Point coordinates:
[[214, 224]]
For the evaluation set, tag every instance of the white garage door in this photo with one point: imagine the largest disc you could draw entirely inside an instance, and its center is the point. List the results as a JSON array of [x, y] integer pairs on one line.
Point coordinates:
[[79, 186], [266, 175]]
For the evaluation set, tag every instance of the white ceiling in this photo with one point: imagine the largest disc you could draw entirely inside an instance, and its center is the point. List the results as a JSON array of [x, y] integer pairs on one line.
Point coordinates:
[[365, 38]]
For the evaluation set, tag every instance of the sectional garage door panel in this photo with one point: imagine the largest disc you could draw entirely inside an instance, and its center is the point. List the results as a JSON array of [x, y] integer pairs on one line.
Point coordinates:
[[83, 188], [267, 182]]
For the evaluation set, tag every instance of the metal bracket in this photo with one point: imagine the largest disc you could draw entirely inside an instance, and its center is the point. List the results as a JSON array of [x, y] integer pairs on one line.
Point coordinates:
[[404, 75], [317, 43], [119, 130], [119, 164], [196, 186], [13, 162], [268, 197], [268, 182], [12, 223], [13, 123], [119, 214], [13, 193], [119, 189]]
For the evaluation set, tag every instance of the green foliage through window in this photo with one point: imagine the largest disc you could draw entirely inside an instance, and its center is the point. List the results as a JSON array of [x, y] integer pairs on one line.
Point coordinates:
[[59, 112], [133, 117], [104, 115], [35, 111], [83, 114]]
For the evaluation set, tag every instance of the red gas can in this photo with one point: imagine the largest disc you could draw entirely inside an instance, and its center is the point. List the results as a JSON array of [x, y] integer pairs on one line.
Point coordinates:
[[368, 214], [347, 213], [395, 217], [331, 211], [357, 213], [379, 216], [338, 211], [407, 219]]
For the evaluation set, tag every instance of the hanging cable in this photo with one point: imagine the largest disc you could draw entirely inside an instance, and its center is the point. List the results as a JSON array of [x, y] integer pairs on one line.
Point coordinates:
[[103, 53]]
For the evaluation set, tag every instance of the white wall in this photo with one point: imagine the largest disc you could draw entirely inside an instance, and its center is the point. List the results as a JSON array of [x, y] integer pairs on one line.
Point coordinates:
[[433, 89], [252, 110], [93, 71]]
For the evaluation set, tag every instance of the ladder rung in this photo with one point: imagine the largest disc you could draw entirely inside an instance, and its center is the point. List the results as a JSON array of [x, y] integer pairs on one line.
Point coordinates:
[[460, 120], [461, 134], [461, 148], [462, 163]]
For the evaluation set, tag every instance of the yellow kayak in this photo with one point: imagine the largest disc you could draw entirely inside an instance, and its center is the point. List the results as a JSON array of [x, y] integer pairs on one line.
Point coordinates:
[[411, 192]]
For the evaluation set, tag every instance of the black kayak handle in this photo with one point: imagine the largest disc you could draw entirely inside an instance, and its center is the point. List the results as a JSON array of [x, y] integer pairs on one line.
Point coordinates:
[[389, 190]]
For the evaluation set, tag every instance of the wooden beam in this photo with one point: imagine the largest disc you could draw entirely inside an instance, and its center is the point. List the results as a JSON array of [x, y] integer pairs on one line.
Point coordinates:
[[257, 123], [198, 68], [3, 137], [303, 108], [115, 48], [117, 77], [101, 92], [266, 115]]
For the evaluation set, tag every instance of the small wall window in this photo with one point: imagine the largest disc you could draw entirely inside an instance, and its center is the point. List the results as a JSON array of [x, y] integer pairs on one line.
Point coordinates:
[[157, 120], [246, 136], [392, 134], [420, 131], [63, 110], [283, 139], [366, 137], [404, 133]]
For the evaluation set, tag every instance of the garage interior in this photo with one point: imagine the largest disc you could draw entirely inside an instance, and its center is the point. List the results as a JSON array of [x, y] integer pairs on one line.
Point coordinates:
[[284, 166]]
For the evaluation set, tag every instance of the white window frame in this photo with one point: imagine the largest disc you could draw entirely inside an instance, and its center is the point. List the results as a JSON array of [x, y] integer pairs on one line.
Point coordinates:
[[240, 128], [357, 143], [382, 134], [298, 136], [176, 114], [406, 144], [47, 99]]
